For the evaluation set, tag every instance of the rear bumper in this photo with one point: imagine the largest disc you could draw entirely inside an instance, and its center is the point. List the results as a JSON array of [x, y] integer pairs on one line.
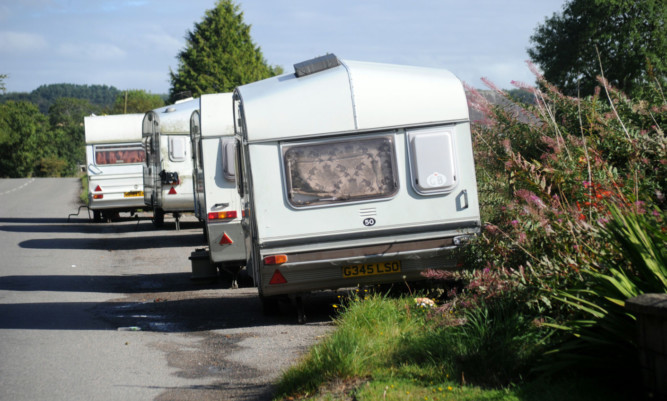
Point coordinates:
[[322, 270], [116, 201]]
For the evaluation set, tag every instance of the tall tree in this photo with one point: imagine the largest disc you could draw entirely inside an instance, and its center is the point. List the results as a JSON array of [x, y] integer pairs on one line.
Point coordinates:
[[24, 139], [630, 36], [136, 101], [219, 55], [68, 138], [3, 88]]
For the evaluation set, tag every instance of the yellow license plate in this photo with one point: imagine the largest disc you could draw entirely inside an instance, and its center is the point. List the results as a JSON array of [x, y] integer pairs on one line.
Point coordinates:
[[133, 194], [372, 269]]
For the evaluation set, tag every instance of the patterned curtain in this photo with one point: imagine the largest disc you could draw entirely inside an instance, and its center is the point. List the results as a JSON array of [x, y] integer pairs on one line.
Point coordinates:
[[340, 171]]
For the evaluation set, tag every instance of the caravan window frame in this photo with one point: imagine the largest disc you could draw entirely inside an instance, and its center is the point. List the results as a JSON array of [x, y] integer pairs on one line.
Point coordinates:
[[381, 184], [109, 154]]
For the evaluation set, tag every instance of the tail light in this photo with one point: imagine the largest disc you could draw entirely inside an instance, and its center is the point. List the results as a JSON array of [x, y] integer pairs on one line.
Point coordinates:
[[275, 259], [222, 215], [172, 191]]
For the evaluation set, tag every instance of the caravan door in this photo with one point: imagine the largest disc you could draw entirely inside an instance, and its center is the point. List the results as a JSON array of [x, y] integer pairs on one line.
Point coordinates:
[[151, 142], [197, 166]]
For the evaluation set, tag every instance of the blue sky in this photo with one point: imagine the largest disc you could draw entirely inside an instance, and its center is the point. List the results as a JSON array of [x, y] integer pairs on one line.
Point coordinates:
[[132, 44]]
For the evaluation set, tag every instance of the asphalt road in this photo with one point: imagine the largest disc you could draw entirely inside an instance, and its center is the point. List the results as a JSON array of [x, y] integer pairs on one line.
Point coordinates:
[[108, 311]]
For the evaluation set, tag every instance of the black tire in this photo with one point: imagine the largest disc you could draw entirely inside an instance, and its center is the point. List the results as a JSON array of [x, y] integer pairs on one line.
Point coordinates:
[[158, 218], [97, 216]]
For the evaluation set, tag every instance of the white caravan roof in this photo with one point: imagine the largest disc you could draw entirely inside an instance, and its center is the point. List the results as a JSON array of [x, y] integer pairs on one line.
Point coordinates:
[[351, 96], [175, 118], [117, 128], [217, 115]]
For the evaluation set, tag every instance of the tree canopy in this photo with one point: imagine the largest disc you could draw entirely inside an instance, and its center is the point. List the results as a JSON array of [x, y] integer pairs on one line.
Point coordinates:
[[630, 36], [219, 55], [136, 101], [45, 95], [24, 134]]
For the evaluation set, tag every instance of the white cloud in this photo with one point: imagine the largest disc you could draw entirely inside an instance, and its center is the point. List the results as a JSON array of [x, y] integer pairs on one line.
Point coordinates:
[[20, 42], [163, 42], [91, 51]]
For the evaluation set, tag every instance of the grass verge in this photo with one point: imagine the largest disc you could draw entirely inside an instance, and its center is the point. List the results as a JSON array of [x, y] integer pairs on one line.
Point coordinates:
[[391, 349]]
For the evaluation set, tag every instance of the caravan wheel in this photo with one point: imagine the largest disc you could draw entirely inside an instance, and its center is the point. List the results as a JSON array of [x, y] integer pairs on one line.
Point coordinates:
[[158, 218], [97, 216]]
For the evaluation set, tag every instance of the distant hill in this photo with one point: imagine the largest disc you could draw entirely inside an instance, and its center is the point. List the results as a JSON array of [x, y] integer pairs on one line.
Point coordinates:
[[44, 96]]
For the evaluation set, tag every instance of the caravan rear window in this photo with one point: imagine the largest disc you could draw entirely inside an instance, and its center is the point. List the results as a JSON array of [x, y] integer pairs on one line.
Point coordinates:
[[119, 154], [333, 172]]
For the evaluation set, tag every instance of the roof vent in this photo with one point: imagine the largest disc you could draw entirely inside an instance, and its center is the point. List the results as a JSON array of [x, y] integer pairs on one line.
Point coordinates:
[[316, 65]]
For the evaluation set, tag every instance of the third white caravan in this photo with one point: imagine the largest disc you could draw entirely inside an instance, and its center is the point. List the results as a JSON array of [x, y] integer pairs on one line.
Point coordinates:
[[168, 169]]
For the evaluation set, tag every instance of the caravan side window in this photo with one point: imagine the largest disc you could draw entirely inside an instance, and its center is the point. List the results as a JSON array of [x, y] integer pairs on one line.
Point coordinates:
[[433, 165], [340, 171], [228, 149], [177, 148], [119, 154]]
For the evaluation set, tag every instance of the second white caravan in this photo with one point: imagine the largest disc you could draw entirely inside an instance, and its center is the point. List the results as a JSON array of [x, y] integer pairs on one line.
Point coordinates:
[[353, 173], [217, 203]]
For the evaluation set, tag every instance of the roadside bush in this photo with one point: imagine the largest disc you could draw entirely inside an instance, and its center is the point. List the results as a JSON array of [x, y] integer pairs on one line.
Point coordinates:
[[601, 333], [551, 177], [550, 172]]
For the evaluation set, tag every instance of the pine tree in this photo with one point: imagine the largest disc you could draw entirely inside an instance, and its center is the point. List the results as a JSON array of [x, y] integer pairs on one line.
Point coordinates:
[[219, 55]]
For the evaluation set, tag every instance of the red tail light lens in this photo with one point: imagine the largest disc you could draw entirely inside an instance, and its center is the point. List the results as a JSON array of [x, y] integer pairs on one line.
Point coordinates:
[[275, 259], [222, 215]]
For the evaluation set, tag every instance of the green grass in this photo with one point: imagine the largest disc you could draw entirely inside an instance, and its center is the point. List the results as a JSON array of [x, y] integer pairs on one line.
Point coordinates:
[[388, 349], [83, 196]]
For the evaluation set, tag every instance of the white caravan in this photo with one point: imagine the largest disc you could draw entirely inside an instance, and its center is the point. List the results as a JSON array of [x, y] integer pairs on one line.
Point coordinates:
[[114, 156], [168, 168], [217, 202], [353, 173]]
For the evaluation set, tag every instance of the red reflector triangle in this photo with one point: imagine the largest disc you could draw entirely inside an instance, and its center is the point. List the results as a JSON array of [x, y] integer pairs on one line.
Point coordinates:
[[172, 191], [97, 189], [277, 278], [225, 239]]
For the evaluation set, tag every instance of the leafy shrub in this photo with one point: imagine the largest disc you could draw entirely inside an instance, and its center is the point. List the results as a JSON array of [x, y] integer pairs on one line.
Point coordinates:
[[559, 180], [547, 174], [602, 331]]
